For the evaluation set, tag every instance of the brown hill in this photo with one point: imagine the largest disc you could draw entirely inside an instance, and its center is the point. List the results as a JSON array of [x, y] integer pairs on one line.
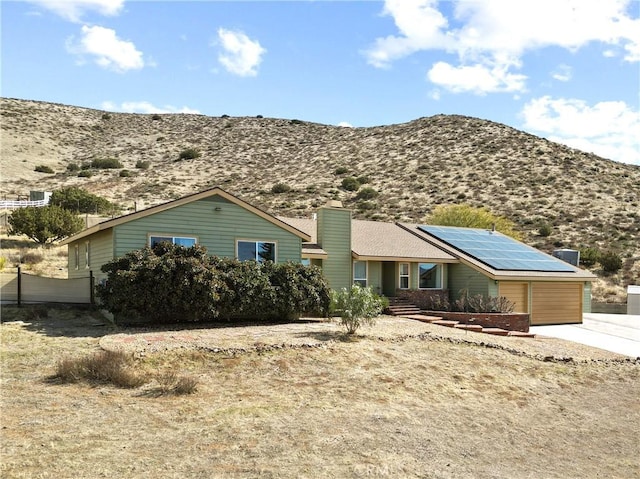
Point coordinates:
[[587, 200]]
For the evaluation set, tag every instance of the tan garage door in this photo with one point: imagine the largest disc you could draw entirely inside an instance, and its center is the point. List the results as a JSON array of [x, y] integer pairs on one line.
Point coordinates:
[[556, 303], [517, 293]]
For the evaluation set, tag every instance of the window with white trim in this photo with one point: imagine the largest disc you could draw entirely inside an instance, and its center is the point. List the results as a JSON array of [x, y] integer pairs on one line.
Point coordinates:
[[430, 276], [403, 269], [87, 254], [177, 240], [360, 273], [260, 251]]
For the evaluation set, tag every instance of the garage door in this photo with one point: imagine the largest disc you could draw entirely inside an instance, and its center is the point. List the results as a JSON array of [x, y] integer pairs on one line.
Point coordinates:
[[556, 303], [517, 293]]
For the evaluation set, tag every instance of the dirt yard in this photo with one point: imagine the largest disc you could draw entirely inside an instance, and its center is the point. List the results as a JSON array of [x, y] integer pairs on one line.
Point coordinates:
[[400, 400]]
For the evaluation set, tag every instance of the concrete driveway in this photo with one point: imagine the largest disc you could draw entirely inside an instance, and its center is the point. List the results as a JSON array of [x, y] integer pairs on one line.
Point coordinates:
[[619, 333]]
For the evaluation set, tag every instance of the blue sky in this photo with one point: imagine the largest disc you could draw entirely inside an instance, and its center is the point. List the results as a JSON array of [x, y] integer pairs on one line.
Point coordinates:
[[567, 70]]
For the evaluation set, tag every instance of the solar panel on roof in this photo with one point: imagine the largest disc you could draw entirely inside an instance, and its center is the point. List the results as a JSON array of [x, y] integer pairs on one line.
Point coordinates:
[[496, 250]]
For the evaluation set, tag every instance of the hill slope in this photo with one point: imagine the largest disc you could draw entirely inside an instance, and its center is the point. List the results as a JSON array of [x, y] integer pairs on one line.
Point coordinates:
[[588, 200]]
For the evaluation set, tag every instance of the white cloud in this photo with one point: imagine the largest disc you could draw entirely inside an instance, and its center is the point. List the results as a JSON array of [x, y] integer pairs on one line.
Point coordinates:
[[609, 129], [73, 10], [497, 33], [241, 54], [145, 107], [479, 79], [562, 73], [345, 124], [108, 50]]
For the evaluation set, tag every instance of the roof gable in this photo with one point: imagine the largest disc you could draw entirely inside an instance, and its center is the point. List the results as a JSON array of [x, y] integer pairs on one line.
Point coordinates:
[[105, 225]]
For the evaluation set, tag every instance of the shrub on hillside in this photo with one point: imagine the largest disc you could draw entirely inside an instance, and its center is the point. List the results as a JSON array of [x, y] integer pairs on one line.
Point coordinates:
[[143, 165], [198, 287], [106, 163], [589, 256], [545, 230], [80, 200], [73, 167], [610, 261], [350, 184], [44, 169], [367, 193], [189, 154], [85, 174], [124, 174], [341, 170], [280, 188]]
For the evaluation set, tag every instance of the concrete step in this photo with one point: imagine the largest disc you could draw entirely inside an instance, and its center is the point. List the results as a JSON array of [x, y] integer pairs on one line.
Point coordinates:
[[495, 331], [520, 334], [445, 322], [469, 327], [424, 318]]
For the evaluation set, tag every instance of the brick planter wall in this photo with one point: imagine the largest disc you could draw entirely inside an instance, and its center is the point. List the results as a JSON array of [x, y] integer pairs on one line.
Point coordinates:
[[508, 321], [422, 298]]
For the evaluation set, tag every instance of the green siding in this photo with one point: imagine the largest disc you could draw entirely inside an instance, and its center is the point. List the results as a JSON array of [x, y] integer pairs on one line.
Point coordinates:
[[586, 300], [374, 276], [216, 224], [100, 252], [462, 277], [334, 236]]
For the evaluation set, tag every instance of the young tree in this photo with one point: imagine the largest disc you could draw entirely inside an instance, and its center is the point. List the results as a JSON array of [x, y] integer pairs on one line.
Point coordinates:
[[469, 217], [46, 224], [80, 200], [356, 306]]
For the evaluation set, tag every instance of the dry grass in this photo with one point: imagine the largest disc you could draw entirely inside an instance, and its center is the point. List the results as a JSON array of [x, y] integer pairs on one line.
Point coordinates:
[[365, 408], [587, 200]]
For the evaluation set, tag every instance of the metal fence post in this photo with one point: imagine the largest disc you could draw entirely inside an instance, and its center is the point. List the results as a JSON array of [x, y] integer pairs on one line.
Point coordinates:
[[92, 286], [19, 287]]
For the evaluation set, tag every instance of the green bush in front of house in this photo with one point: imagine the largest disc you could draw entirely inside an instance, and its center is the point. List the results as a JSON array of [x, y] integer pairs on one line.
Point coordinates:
[[177, 284], [356, 306]]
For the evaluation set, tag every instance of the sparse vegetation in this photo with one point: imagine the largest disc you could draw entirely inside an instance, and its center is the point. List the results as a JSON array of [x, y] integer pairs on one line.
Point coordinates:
[[341, 170], [350, 184], [545, 230], [280, 188], [104, 367], [470, 217], [610, 261], [106, 163], [367, 193], [189, 154], [44, 169], [124, 174], [589, 256], [143, 165], [85, 174]]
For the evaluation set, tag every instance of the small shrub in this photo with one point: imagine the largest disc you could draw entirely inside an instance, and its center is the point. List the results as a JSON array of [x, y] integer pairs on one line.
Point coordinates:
[[73, 167], [482, 304], [106, 116], [30, 257], [356, 307], [296, 122], [189, 154], [280, 188], [143, 165], [610, 261], [85, 165], [341, 170], [106, 163], [44, 169], [363, 180], [85, 174], [156, 117], [124, 173], [170, 383], [589, 256], [259, 116], [367, 193], [350, 184], [545, 230], [107, 367]]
